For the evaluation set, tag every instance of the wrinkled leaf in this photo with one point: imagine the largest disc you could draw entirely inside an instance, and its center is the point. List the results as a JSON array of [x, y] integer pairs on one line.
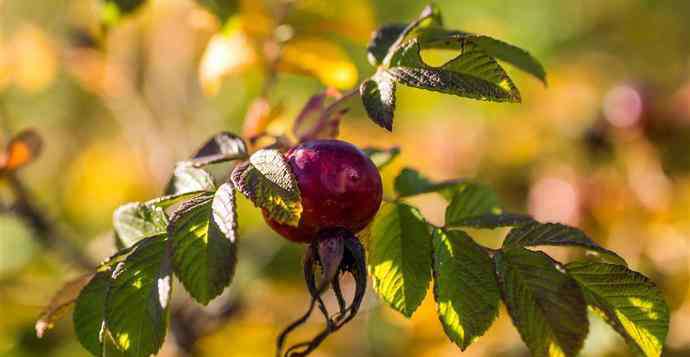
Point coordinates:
[[382, 157], [187, 178], [378, 97], [471, 200], [429, 18], [627, 301], [204, 234], [400, 257], [545, 304], [221, 147], [267, 180], [410, 182], [538, 234], [465, 287], [135, 221]]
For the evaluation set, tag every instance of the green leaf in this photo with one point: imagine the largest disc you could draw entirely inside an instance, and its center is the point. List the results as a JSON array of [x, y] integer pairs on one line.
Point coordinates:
[[221, 147], [168, 201], [382, 157], [381, 41], [400, 257], [545, 304], [465, 287], [491, 221], [223, 9], [89, 312], [537, 234], [511, 54], [471, 200], [267, 180], [135, 221], [378, 97], [204, 235], [626, 300], [472, 73], [429, 18], [187, 179], [410, 183], [136, 309]]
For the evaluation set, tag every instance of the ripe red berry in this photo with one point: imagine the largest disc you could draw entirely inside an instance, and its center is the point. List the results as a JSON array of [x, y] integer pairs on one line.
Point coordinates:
[[340, 187]]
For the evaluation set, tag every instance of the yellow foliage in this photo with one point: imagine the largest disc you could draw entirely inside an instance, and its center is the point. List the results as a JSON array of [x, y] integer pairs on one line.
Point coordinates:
[[320, 58]]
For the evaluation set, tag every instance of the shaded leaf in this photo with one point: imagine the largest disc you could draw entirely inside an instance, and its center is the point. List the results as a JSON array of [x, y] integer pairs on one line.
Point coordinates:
[[545, 304], [472, 73], [267, 180], [626, 300], [89, 312], [60, 303], [168, 201], [204, 234], [492, 221], [471, 200], [511, 54], [135, 221], [399, 257], [429, 18], [381, 41], [465, 287], [315, 121], [382, 157], [410, 182], [22, 149], [137, 301], [378, 97], [537, 234], [187, 178], [221, 147]]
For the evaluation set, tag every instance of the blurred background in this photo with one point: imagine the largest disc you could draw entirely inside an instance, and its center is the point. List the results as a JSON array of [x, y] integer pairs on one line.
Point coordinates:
[[118, 100]]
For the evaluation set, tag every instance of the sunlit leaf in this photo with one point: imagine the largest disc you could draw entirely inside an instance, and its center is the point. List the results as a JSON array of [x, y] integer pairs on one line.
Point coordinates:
[[378, 97], [471, 200], [492, 221], [381, 41], [89, 312], [399, 256], [410, 182], [465, 287], [516, 56], [221, 147], [187, 178], [546, 305], [223, 9], [267, 180], [204, 234], [538, 234], [627, 301], [60, 303], [135, 221], [382, 157]]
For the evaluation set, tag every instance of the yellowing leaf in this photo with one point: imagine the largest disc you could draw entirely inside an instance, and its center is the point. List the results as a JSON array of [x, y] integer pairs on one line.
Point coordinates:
[[227, 53], [320, 58]]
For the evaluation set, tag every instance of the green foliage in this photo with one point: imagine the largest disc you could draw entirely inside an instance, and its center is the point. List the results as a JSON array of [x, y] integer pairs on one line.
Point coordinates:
[[266, 179], [410, 183], [400, 257], [378, 95], [223, 9], [546, 305], [221, 147], [491, 221], [471, 200], [89, 312], [135, 221], [627, 301], [204, 235], [465, 287], [382, 157], [188, 178], [537, 234]]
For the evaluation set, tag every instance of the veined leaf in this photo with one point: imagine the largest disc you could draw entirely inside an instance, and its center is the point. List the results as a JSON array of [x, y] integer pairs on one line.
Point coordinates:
[[491, 221], [267, 180], [382, 157], [204, 233], [188, 178], [89, 312], [378, 97], [546, 305], [400, 256], [135, 221], [381, 41], [472, 74], [168, 201], [511, 54], [410, 182], [536, 234], [627, 301], [429, 18], [471, 200], [465, 287], [221, 147], [136, 309], [60, 303]]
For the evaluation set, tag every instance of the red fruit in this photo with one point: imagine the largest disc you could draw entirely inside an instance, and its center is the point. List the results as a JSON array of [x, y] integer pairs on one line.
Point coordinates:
[[340, 187]]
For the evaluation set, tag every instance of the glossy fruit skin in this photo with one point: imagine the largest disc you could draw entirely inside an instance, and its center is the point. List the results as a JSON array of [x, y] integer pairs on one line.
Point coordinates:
[[340, 188]]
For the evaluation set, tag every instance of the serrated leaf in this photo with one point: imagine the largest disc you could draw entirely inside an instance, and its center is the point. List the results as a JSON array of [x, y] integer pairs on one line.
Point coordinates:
[[465, 287], [491, 221], [221, 147], [204, 234], [537, 234], [136, 309], [186, 179], [626, 300], [471, 200], [89, 312], [511, 54], [545, 304], [410, 183], [381, 41], [382, 157], [378, 97], [429, 18], [267, 180], [168, 201], [60, 303], [399, 256], [135, 221], [472, 73], [223, 9]]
